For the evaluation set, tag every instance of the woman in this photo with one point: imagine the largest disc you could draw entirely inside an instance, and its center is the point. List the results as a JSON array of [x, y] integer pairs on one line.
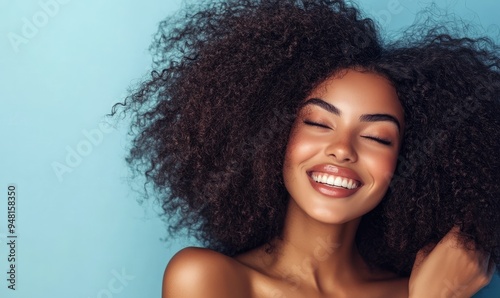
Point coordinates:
[[314, 161]]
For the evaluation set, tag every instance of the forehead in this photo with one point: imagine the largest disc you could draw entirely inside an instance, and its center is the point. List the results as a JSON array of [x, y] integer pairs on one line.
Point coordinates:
[[357, 92]]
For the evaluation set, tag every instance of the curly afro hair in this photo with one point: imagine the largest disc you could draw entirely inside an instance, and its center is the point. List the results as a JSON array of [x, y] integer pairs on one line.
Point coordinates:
[[212, 121], [449, 165]]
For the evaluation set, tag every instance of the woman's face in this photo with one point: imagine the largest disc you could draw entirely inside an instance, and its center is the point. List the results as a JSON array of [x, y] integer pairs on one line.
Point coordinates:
[[343, 147]]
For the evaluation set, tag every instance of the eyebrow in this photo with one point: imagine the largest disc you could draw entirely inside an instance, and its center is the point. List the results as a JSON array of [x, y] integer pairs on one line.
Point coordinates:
[[322, 104], [380, 117], [364, 118]]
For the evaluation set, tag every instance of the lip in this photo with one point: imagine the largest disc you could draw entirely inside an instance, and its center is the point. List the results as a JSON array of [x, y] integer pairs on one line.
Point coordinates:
[[332, 191]]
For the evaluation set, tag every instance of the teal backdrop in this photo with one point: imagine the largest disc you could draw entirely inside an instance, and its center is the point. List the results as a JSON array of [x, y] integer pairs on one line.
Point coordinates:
[[80, 229]]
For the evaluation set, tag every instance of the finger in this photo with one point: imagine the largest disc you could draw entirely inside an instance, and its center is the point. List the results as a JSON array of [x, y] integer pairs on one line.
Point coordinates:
[[451, 237], [422, 254]]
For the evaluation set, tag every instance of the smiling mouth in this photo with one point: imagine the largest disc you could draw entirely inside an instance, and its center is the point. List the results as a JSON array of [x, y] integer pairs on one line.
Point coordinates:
[[335, 181]]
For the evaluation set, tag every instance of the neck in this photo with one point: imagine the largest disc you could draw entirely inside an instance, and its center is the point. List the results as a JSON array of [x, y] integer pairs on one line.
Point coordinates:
[[316, 253]]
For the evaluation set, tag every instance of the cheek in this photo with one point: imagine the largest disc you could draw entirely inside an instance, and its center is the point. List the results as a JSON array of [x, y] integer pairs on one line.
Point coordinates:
[[301, 147], [382, 166], [298, 150]]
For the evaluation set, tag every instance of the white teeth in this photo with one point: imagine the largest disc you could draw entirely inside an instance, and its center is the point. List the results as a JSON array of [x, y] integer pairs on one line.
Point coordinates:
[[334, 180]]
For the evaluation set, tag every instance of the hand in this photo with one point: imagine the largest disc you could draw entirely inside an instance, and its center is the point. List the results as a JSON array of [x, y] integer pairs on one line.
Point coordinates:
[[449, 270]]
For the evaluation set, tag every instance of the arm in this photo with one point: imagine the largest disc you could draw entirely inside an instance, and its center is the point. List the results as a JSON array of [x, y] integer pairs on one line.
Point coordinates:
[[450, 270]]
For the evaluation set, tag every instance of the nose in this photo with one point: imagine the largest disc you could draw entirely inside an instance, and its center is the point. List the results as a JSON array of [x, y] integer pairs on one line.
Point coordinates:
[[341, 149]]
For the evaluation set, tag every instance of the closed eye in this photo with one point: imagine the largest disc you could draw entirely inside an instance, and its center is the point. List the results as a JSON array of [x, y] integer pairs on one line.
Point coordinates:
[[379, 140], [311, 123]]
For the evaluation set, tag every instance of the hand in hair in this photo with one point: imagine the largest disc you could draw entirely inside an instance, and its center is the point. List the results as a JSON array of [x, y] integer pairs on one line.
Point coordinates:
[[450, 270]]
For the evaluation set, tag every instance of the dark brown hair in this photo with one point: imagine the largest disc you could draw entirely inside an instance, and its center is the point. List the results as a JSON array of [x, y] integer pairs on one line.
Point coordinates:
[[211, 124]]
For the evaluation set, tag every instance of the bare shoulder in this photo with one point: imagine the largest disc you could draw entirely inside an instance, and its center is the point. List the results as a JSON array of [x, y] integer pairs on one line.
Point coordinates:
[[200, 272]]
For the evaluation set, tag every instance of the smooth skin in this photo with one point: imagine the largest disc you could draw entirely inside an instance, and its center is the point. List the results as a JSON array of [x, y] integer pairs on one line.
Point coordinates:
[[350, 126]]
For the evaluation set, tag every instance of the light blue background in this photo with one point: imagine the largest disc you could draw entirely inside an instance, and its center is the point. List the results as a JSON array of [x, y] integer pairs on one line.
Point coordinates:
[[80, 230]]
